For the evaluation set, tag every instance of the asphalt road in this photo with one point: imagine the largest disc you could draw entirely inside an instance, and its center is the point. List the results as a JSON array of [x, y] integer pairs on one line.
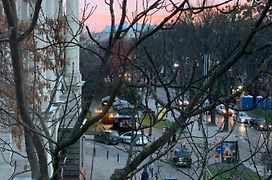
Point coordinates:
[[249, 140], [108, 158]]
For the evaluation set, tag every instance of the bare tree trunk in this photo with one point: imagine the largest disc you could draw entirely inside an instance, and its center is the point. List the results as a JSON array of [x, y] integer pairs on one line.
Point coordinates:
[[32, 157], [56, 166], [213, 116], [40, 171], [226, 120]]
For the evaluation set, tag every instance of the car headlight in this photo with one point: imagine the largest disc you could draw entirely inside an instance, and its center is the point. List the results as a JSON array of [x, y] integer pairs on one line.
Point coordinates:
[[261, 126], [98, 111], [112, 115], [270, 126]]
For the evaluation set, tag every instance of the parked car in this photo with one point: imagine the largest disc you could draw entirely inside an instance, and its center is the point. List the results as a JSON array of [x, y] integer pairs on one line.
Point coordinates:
[[242, 117], [107, 137], [181, 157], [260, 124], [136, 137]]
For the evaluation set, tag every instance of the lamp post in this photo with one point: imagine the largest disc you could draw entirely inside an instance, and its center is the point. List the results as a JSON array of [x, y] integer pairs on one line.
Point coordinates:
[[176, 65]]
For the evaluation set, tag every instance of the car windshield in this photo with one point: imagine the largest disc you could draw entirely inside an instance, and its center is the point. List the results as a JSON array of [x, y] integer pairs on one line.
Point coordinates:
[[114, 134], [263, 121], [243, 114], [106, 99], [127, 111], [182, 153]]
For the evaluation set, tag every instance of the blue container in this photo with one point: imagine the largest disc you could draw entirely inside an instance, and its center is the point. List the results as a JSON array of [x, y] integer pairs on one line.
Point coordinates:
[[263, 103], [246, 102], [260, 102]]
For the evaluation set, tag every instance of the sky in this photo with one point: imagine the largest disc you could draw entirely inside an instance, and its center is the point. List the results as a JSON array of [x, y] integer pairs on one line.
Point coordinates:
[[101, 16]]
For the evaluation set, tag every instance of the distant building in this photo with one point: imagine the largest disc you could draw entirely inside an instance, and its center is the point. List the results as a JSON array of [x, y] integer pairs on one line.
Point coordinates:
[[133, 33], [122, 49]]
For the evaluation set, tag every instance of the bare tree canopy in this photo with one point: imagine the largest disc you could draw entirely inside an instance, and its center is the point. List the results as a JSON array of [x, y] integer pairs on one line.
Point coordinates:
[[199, 59]]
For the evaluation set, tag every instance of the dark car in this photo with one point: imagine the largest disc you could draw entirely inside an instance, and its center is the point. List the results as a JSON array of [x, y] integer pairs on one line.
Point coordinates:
[[107, 137], [260, 124], [181, 157]]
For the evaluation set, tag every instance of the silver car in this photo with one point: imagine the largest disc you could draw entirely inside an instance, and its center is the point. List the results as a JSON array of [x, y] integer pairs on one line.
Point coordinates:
[[243, 117], [135, 137]]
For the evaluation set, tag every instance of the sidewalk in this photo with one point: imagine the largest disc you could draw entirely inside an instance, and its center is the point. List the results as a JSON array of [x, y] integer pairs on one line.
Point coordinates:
[[215, 136]]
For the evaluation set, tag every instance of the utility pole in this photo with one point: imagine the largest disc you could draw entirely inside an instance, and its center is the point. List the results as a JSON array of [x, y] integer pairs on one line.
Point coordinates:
[[207, 64]]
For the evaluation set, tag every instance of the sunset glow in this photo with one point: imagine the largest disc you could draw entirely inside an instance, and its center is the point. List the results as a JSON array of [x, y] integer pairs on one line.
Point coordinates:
[[101, 15]]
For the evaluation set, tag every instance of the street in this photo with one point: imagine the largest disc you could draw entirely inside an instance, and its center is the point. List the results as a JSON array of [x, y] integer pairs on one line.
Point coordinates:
[[108, 158], [250, 141]]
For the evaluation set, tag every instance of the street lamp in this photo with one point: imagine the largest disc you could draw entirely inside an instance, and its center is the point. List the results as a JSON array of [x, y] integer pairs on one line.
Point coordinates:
[[128, 76], [176, 65]]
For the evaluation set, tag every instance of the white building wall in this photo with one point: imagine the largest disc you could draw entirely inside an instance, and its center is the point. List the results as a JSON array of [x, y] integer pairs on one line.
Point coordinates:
[[23, 10], [72, 35], [50, 9]]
